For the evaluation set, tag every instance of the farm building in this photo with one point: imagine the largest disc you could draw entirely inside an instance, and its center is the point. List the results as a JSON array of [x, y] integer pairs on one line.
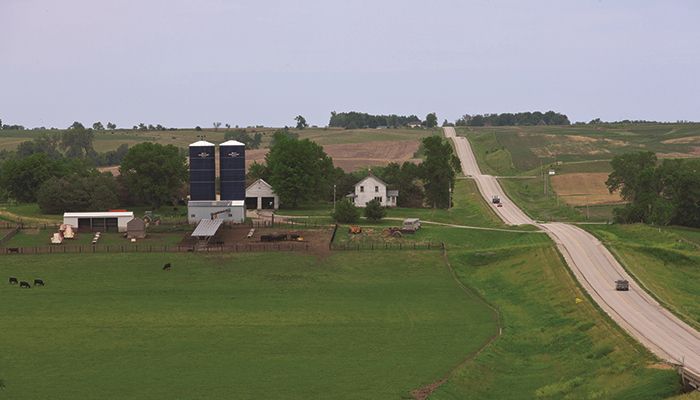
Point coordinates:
[[226, 210], [136, 229], [371, 188], [109, 221], [260, 196], [203, 202]]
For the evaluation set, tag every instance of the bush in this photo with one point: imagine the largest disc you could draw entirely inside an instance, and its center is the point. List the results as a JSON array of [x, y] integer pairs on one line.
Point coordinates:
[[374, 211], [345, 212]]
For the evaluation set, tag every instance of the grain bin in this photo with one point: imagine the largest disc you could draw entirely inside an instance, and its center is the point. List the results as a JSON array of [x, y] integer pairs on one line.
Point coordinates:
[[202, 171], [232, 170]]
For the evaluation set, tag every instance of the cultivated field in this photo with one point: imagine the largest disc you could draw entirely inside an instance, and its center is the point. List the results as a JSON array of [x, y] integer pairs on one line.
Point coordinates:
[[580, 156], [586, 188], [355, 156]]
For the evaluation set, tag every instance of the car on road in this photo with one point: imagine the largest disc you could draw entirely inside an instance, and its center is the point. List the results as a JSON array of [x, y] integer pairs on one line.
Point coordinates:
[[622, 285]]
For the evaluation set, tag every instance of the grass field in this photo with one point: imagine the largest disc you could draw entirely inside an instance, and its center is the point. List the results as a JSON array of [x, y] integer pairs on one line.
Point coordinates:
[[664, 260], [552, 347], [110, 140], [354, 325]]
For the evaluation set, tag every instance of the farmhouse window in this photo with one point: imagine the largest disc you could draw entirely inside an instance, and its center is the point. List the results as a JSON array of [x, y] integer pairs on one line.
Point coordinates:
[[378, 199], [362, 189], [376, 189]]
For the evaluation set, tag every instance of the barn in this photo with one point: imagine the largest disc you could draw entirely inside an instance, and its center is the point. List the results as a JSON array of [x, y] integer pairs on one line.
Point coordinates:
[[108, 221], [260, 196]]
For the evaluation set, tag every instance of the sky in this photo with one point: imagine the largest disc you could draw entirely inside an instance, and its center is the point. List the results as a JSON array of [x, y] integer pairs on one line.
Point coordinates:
[[183, 63]]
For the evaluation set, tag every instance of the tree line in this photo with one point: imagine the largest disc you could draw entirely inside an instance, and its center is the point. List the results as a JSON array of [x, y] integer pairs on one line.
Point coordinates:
[[357, 120], [511, 119], [659, 193]]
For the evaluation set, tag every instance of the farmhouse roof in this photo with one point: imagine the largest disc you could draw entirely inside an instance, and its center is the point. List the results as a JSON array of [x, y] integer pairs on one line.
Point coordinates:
[[392, 193], [371, 175]]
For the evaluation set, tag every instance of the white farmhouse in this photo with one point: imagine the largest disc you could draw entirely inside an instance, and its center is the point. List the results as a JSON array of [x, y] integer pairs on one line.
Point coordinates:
[[371, 188]]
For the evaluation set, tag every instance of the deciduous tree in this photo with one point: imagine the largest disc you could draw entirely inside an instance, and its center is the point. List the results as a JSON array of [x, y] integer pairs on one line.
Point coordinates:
[[154, 174]]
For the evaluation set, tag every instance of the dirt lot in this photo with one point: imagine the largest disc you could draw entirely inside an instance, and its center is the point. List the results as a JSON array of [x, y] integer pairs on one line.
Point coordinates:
[[317, 238], [579, 189], [354, 156]]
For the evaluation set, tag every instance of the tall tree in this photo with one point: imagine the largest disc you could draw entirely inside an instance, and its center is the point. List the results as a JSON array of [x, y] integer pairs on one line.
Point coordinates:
[[217, 125], [154, 174], [301, 122], [98, 126], [77, 141], [299, 170], [431, 120], [439, 171], [111, 126]]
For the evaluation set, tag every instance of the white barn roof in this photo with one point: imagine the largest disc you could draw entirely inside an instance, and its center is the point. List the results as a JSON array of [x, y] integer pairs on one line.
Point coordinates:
[[103, 214]]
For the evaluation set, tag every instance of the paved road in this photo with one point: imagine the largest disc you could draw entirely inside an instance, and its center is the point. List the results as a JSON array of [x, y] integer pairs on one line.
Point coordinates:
[[596, 269]]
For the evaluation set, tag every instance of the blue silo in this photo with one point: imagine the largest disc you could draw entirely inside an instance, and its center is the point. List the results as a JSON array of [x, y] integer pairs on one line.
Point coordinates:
[[202, 171], [232, 170]]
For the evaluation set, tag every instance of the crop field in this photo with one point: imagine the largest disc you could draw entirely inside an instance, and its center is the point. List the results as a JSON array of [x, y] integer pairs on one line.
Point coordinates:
[[110, 140], [353, 325], [527, 146], [580, 189], [355, 156], [664, 260]]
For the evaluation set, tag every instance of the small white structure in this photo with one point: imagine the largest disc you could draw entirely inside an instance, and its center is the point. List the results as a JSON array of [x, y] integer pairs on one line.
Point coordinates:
[[260, 196], [371, 188], [232, 211], [108, 221]]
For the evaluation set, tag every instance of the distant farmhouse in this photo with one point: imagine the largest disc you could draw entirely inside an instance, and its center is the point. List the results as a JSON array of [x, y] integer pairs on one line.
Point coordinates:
[[371, 188]]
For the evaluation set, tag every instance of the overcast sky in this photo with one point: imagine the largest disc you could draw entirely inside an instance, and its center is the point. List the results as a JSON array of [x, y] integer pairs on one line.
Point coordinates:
[[184, 62]]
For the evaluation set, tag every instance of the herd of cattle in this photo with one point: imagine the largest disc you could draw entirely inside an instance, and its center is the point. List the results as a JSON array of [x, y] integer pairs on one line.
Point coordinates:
[[25, 284], [40, 282]]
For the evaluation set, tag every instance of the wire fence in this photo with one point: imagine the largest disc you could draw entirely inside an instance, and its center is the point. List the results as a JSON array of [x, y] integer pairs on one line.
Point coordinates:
[[88, 249], [388, 246]]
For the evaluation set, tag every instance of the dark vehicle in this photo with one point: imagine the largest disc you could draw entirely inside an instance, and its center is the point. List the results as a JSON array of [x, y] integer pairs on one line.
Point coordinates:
[[622, 285]]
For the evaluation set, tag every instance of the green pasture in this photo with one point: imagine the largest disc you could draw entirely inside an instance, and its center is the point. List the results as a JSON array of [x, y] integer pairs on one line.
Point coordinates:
[[355, 325], [664, 260], [552, 346]]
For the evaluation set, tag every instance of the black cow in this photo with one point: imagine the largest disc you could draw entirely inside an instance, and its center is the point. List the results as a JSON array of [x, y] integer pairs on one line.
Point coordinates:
[[13, 280], [24, 284], [166, 267], [38, 282]]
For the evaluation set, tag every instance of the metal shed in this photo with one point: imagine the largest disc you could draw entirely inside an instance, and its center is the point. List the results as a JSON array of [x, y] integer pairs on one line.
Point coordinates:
[[136, 229], [108, 221]]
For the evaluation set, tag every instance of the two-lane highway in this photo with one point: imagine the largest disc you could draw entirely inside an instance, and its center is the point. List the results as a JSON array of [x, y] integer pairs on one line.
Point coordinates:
[[596, 269]]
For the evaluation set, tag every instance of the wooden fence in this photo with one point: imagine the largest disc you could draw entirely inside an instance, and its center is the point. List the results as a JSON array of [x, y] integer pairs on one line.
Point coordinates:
[[9, 235]]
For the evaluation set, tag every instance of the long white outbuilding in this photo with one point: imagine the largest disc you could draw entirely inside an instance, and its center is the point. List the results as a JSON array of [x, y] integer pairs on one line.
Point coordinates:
[[106, 221]]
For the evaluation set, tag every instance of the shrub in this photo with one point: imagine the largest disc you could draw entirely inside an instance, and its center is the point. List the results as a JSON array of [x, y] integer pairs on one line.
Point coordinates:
[[374, 211], [346, 212]]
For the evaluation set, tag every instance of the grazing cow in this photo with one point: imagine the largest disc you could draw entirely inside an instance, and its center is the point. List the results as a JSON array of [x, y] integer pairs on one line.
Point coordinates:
[[13, 280], [38, 282], [166, 267], [24, 284]]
